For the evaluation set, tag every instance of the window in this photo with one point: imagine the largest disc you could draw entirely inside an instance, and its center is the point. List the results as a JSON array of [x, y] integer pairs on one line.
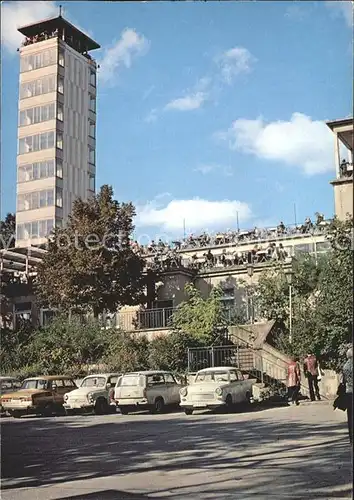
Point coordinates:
[[36, 142], [35, 229], [61, 58], [37, 114], [33, 171], [169, 379], [61, 85], [69, 383], [59, 198], [59, 382], [91, 155], [323, 246], [113, 380], [92, 78], [60, 112], [59, 140], [92, 129], [233, 376], [34, 200], [93, 103], [152, 380], [59, 169], [92, 179], [39, 60], [305, 248], [38, 87], [59, 223]]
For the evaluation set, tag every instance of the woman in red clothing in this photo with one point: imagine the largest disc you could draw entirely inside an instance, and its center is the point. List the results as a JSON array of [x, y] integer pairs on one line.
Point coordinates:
[[294, 379]]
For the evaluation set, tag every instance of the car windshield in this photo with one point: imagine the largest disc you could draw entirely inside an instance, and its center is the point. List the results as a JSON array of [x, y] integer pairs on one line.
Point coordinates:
[[94, 382], [35, 384], [212, 376], [129, 381]]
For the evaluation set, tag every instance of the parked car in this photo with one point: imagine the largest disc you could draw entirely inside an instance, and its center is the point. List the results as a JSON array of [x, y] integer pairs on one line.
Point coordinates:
[[96, 393], [153, 390], [38, 395], [8, 384], [216, 387]]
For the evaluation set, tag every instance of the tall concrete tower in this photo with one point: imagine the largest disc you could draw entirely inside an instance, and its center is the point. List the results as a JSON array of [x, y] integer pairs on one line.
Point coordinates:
[[56, 160]]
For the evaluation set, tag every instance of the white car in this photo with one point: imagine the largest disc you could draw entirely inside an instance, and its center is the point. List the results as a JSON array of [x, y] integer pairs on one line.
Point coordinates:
[[216, 387], [153, 390], [95, 393]]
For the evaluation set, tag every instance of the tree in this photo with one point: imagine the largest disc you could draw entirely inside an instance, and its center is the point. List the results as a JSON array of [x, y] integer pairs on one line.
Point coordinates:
[[170, 352], [127, 352], [90, 266], [8, 231], [203, 319], [322, 293], [67, 346]]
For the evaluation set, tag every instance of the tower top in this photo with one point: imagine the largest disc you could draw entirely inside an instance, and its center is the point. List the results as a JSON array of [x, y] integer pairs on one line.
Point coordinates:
[[66, 31]]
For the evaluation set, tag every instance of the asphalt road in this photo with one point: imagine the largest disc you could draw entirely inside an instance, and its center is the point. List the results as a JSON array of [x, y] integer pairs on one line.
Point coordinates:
[[293, 452]]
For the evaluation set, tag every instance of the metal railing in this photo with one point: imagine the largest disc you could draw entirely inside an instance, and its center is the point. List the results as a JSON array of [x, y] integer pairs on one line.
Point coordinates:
[[149, 319], [242, 356]]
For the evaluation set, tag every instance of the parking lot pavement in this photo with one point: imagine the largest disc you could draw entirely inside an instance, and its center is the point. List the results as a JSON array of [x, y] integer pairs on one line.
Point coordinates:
[[291, 452]]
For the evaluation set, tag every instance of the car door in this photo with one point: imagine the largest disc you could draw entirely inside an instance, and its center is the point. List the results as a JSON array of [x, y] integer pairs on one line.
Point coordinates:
[[111, 383], [58, 390], [236, 388], [155, 387], [171, 389], [243, 384]]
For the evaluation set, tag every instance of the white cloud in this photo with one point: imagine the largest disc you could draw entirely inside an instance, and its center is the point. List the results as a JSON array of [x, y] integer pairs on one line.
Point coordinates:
[[220, 169], [187, 103], [17, 14], [130, 45], [235, 61], [343, 9], [197, 213], [300, 142]]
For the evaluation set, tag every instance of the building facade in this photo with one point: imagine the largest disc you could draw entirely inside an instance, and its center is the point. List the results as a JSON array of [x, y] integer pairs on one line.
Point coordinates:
[[56, 128], [343, 183]]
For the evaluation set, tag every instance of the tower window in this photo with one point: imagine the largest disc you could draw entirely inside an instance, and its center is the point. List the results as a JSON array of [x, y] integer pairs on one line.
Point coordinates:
[[61, 58], [92, 78], [93, 103]]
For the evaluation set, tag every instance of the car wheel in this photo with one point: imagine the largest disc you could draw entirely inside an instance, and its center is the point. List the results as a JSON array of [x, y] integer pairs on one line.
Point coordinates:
[[188, 411], [16, 414], [248, 398], [47, 410], [69, 412], [159, 406], [124, 411], [101, 407]]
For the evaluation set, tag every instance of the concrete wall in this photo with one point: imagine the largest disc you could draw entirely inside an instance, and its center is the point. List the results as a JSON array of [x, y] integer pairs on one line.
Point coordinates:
[[343, 197]]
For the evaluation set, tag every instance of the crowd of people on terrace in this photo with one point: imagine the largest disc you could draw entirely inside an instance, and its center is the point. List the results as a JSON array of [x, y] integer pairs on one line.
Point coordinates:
[[162, 255], [172, 259], [230, 237], [45, 35]]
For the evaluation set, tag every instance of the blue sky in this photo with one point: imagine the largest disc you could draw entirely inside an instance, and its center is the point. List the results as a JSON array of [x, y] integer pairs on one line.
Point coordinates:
[[205, 110]]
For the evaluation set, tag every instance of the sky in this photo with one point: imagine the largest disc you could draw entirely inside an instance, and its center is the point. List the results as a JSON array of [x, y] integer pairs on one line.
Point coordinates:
[[209, 114]]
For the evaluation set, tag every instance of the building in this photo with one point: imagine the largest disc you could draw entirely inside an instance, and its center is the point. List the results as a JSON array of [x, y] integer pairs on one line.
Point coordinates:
[[56, 127], [343, 183]]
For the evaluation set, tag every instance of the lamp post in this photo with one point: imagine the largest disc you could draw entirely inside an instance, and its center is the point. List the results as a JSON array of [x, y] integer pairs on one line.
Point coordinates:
[[250, 270], [289, 278]]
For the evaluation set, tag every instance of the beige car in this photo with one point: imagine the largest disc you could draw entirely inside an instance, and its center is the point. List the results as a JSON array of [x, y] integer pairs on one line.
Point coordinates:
[[38, 395], [7, 385], [214, 388], [153, 390], [94, 394]]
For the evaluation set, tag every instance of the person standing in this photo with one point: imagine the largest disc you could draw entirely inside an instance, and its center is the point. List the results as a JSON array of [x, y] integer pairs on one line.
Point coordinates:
[[347, 373], [311, 370], [294, 379]]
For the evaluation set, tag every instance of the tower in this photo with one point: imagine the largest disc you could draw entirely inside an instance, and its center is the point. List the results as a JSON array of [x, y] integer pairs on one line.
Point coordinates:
[[56, 161], [343, 183]]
